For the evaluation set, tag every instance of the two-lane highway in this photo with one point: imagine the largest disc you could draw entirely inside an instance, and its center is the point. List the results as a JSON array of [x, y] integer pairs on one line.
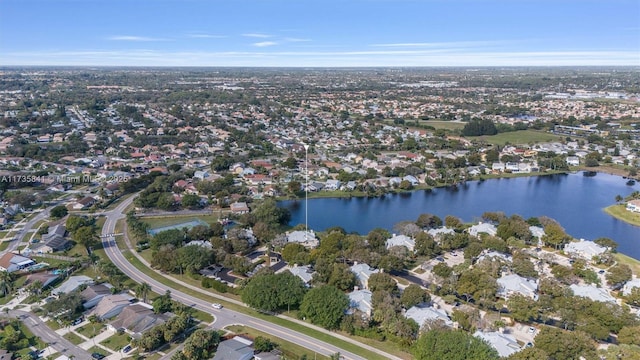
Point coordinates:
[[224, 316]]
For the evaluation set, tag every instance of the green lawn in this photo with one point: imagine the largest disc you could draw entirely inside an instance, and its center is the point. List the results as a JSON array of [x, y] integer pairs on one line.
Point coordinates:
[[620, 212], [98, 349], [117, 341], [441, 124], [90, 330], [627, 260], [4, 245], [162, 221], [75, 339], [518, 137], [289, 349]]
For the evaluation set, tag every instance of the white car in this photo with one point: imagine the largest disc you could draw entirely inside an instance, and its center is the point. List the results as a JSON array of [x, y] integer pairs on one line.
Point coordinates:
[[216, 306]]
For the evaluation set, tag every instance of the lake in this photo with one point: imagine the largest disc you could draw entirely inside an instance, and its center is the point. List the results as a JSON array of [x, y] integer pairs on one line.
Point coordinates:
[[576, 201]]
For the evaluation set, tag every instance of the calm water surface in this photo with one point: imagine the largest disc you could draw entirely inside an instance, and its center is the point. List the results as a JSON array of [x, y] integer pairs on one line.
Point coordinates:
[[576, 201]]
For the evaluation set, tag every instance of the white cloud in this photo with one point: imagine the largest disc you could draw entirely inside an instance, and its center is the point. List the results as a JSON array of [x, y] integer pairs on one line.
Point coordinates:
[[134, 38], [442, 44], [424, 57], [256, 35], [265, 43], [291, 39], [205, 36]]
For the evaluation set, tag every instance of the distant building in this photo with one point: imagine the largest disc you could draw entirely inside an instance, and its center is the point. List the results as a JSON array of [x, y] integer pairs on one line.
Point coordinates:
[[239, 208], [633, 205], [401, 240], [592, 292], [72, 284], [485, 228], [423, 314], [306, 238], [516, 284]]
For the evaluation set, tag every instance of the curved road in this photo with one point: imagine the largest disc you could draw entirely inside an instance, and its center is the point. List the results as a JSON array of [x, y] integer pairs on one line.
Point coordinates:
[[223, 317], [41, 330]]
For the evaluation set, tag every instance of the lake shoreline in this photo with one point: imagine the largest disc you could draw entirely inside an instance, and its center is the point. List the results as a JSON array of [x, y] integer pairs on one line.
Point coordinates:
[[619, 212]]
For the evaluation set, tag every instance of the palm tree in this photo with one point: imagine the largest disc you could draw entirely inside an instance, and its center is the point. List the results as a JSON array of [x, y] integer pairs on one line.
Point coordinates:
[[6, 282], [142, 290], [619, 198]]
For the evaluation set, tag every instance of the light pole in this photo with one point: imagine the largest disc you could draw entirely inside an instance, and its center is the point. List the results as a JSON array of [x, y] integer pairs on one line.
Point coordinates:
[[306, 191]]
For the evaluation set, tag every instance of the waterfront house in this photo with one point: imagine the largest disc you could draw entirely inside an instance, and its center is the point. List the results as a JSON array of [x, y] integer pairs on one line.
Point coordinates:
[[629, 285], [485, 228], [584, 249], [401, 240], [633, 205]]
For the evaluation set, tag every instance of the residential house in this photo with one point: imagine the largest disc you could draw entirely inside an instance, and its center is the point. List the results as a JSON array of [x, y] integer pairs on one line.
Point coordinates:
[[505, 344], [237, 348], [303, 272], [331, 185], [82, 204], [360, 300], [633, 205], [5, 355], [422, 314], [573, 161], [516, 284], [437, 233], [239, 208], [45, 279], [11, 262], [481, 228], [363, 272], [92, 295], [53, 241], [629, 285], [584, 249], [136, 319], [306, 238], [592, 292], [401, 240], [110, 306], [72, 284]]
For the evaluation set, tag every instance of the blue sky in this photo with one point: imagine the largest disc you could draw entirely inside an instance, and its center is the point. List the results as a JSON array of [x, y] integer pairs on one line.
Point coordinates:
[[333, 33]]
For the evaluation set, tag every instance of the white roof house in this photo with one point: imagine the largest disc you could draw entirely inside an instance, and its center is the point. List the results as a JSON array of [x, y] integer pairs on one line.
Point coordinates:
[[303, 272], [363, 273], [633, 283], [516, 284], [73, 283], [485, 228], [401, 240], [537, 232], [440, 231], [494, 255], [360, 300], [584, 249], [505, 344], [592, 292], [422, 314], [306, 238]]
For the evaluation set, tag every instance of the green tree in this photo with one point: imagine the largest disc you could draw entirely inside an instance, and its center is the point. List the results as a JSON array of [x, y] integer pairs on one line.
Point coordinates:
[[569, 345], [324, 306], [428, 221], [274, 292], [86, 235], [382, 281], [6, 283], [263, 344], [555, 236], [59, 212], [342, 277], [425, 245], [142, 290], [163, 303], [414, 295], [191, 201], [452, 345], [291, 252], [618, 275]]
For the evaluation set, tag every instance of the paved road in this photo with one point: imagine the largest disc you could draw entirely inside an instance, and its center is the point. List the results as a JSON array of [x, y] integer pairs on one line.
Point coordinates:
[[223, 317], [41, 330]]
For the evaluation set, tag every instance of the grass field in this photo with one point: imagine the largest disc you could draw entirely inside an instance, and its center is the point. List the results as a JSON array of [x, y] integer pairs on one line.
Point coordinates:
[[289, 349], [518, 137], [619, 212], [90, 330], [441, 124], [116, 341], [75, 339], [157, 222]]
